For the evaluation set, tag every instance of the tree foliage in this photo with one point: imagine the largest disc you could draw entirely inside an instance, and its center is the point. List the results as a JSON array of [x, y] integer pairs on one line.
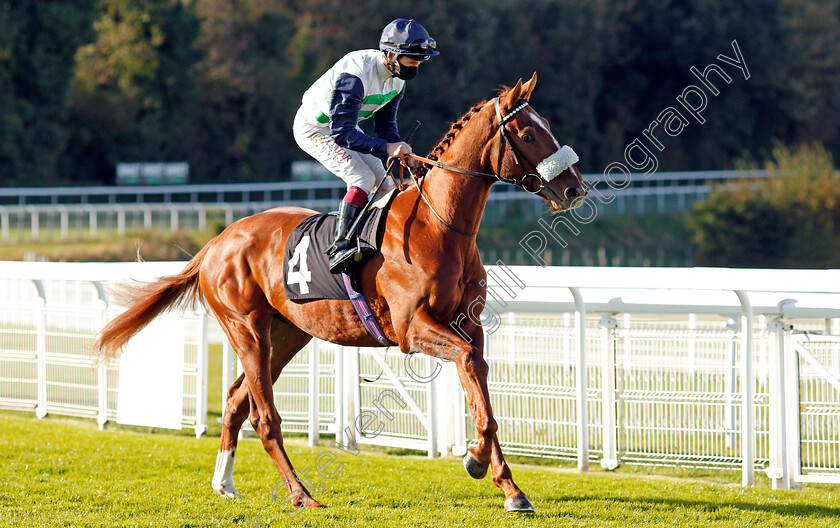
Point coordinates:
[[791, 218], [217, 82], [133, 87], [37, 43]]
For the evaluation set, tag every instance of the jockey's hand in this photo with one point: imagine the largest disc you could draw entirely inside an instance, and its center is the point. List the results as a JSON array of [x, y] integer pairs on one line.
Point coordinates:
[[398, 150]]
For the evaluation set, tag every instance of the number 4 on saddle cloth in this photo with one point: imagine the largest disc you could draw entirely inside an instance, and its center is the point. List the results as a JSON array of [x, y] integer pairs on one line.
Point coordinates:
[[306, 275]]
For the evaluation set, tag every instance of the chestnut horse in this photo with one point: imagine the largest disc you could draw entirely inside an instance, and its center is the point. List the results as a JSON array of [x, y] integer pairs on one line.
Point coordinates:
[[428, 271]]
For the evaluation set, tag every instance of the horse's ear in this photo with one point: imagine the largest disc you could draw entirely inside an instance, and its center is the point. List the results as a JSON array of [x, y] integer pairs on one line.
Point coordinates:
[[513, 95], [528, 87]]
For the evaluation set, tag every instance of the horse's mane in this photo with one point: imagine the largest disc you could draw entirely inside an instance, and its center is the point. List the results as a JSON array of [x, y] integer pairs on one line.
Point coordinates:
[[453, 132]]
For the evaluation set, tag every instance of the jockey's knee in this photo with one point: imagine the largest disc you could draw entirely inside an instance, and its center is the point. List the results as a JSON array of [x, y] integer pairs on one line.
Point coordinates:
[[364, 180]]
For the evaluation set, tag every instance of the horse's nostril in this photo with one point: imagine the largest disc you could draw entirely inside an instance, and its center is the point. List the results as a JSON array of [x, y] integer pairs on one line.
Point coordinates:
[[572, 193]]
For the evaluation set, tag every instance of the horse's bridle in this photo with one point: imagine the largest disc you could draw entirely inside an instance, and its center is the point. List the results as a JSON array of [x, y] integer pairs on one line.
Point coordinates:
[[515, 151], [495, 177]]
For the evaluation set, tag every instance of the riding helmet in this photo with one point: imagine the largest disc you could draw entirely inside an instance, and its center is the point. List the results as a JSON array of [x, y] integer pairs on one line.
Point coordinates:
[[407, 37]]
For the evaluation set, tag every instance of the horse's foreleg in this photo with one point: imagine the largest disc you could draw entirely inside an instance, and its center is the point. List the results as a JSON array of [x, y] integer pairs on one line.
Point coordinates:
[[428, 336], [473, 370]]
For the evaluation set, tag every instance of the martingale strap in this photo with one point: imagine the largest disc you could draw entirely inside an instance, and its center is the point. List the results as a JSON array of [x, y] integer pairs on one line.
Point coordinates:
[[363, 311]]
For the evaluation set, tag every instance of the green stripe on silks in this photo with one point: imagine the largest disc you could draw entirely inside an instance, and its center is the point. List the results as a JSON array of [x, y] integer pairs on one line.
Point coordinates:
[[379, 99], [376, 99]]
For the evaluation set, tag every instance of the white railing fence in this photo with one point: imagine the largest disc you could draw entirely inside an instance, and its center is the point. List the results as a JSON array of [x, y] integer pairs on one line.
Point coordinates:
[[319, 189], [710, 368], [47, 328], [73, 213]]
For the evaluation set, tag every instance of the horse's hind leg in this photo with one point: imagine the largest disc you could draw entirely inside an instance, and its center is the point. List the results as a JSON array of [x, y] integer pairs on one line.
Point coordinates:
[[235, 412], [286, 341]]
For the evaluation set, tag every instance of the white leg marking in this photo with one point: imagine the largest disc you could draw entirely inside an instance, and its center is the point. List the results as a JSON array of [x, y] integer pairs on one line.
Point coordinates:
[[223, 476]]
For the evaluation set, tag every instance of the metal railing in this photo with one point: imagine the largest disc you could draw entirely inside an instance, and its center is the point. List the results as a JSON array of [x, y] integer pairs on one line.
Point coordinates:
[[87, 212], [715, 368], [295, 190]]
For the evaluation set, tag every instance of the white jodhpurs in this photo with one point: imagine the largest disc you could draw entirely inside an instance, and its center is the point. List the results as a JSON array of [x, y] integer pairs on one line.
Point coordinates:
[[357, 169]]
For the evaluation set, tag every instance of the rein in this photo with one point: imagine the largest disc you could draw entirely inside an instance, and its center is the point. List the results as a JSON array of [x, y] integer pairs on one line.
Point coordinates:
[[495, 177], [423, 196]]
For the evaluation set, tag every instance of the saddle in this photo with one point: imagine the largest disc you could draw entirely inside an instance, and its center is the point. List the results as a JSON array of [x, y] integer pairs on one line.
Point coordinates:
[[306, 274]]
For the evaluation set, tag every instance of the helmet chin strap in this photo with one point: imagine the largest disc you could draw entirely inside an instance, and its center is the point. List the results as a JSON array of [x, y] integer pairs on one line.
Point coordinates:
[[392, 64]]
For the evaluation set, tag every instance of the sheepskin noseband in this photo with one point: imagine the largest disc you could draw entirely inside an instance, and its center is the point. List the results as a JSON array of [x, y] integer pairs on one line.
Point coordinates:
[[552, 166]]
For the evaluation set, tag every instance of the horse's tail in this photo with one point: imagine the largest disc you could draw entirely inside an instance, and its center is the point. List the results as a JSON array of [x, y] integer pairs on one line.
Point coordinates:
[[146, 301]]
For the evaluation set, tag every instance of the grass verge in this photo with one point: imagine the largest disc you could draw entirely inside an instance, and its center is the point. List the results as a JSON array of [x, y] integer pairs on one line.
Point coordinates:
[[145, 245], [56, 472]]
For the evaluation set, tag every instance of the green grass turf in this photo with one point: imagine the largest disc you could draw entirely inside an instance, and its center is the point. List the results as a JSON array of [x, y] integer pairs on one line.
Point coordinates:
[[64, 472]]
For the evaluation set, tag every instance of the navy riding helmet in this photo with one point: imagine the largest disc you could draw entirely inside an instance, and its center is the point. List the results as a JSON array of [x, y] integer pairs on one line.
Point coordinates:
[[407, 37]]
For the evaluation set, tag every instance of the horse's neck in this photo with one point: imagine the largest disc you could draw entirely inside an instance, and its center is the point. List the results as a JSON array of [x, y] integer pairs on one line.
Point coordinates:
[[459, 198]]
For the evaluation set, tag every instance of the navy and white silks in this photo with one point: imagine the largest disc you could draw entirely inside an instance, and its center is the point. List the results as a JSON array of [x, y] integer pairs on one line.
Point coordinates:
[[357, 87]]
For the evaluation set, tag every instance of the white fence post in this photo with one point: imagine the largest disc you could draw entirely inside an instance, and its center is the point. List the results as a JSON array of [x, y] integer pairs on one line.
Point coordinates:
[[832, 327], [173, 219], [354, 390], [41, 347], [511, 337], [608, 325], [314, 380], [582, 409], [202, 217], [340, 396], [120, 220], [747, 392], [4, 224], [731, 384], [201, 374], [147, 217], [431, 408], [34, 221], [778, 467], [64, 222], [792, 410], [459, 410], [692, 343], [92, 217], [102, 370]]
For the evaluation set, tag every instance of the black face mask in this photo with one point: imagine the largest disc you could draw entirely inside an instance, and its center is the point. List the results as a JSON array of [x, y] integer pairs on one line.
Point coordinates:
[[404, 72]]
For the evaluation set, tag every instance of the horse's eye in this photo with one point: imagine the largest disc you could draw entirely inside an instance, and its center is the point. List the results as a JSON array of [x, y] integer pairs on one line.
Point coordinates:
[[527, 138]]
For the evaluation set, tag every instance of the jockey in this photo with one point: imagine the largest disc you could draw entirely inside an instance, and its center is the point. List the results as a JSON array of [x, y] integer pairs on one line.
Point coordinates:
[[362, 84]]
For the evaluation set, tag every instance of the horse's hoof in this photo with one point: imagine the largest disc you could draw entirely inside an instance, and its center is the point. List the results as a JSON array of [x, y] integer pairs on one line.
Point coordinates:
[[226, 490], [519, 503], [476, 469]]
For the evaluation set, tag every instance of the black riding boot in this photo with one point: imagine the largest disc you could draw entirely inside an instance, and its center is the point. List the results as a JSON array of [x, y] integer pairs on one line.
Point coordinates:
[[342, 251]]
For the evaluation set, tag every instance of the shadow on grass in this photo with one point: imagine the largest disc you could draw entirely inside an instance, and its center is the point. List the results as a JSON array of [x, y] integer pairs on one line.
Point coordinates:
[[787, 510]]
